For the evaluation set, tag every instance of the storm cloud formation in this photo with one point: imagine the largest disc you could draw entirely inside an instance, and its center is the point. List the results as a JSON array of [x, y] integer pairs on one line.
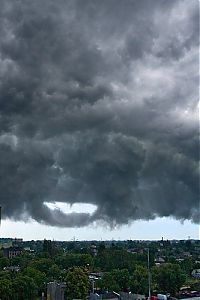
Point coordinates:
[[99, 104]]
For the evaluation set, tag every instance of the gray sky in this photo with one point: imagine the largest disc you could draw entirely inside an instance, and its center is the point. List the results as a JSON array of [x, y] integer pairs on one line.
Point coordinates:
[[99, 106]]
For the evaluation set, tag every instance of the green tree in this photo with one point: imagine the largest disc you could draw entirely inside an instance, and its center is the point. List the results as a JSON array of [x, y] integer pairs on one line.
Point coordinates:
[[74, 260], [4, 262], [122, 278], [42, 264], [187, 265], [22, 260], [139, 280], [77, 284], [38, 277], [24, 288], [54, 273], [111, 259], [169, 278], [101, 247], [108, 282], [5, 289], [48, 247]]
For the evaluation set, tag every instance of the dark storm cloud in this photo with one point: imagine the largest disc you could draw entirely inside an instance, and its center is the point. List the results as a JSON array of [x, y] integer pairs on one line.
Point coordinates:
[[98, 104]]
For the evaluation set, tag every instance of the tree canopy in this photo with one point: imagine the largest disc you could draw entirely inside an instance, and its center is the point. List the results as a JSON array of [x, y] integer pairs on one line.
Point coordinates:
[[77, 283]]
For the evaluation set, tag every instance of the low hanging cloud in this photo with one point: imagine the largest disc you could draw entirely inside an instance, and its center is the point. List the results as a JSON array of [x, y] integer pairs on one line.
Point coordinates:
[[99, 105]]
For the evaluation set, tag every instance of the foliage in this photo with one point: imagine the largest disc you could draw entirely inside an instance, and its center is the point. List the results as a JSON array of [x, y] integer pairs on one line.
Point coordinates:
[[187, 265], [77, 284], [50, 249], [169, 278], [116, 280], [108, 283], [5, 288], [4, 262], [122, 279], [38, 277], [111, 259], [42, 264], [74, 260], [24, 288], [139, 280], [54, 273]]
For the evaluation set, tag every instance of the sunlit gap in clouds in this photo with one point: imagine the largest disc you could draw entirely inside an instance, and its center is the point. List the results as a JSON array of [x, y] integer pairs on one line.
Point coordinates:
[[72, 208]]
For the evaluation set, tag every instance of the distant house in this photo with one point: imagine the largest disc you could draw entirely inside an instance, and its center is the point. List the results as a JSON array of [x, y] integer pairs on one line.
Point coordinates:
[[179, 259], [133, 251], [159, 261], [12, 268], [187, 254], [29, 250], [196, 273], [12, 252], [136, 250]]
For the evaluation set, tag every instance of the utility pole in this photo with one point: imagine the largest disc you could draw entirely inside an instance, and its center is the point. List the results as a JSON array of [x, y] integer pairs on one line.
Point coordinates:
[[149, 274], [93, 280]]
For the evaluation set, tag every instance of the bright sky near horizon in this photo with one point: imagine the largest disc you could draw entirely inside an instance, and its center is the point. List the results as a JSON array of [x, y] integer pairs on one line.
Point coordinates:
[[140, 230]]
